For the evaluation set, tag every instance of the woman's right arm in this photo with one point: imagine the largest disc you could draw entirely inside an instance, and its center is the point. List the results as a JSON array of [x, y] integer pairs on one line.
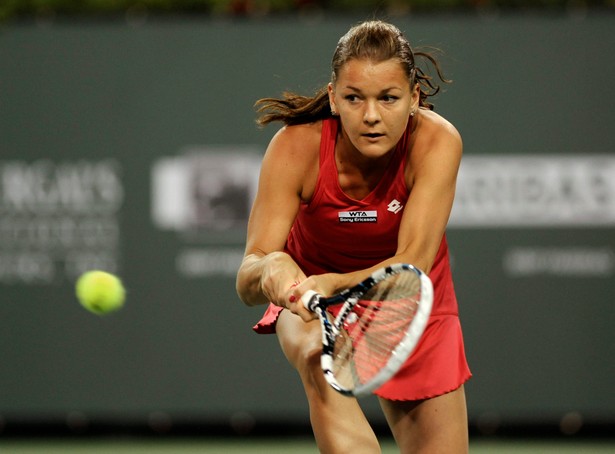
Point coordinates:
[[288, 175]]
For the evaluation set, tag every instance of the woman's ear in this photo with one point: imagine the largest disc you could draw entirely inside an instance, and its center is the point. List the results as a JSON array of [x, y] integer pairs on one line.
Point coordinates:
[[416, 97], [331, 92]]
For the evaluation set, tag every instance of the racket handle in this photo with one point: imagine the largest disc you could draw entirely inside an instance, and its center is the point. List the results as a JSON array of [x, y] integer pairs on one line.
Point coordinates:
[[310, 300]]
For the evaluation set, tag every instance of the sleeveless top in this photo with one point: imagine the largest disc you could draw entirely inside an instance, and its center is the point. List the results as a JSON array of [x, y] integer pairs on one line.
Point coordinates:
[[336, 233]]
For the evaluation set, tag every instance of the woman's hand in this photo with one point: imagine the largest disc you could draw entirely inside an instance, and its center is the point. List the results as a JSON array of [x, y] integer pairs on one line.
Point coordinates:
[[323, 284], [279, 273]]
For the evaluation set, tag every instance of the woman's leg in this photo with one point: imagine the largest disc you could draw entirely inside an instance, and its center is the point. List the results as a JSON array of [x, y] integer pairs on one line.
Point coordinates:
[[338, 422], [433, 426]]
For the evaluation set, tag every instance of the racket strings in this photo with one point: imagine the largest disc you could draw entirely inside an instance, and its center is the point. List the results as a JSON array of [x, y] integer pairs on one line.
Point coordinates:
[[373, 330]]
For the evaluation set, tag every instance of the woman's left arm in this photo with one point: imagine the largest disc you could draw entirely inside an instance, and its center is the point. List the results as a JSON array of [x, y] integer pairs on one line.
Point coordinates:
[[431, 178]]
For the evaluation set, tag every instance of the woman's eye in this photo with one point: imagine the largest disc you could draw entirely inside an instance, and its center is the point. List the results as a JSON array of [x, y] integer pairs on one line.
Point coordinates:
[[351, 98], [389, 98]]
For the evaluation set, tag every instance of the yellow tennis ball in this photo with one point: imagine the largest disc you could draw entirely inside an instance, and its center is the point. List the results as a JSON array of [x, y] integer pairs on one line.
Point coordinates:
[[100, 292]]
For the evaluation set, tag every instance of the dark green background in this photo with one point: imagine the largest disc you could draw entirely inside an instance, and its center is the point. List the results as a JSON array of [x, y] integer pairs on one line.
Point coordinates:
[[539, 347]]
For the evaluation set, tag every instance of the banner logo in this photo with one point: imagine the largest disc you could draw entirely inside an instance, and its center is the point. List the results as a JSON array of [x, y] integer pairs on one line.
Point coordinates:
[[535, 191], [203, 195]]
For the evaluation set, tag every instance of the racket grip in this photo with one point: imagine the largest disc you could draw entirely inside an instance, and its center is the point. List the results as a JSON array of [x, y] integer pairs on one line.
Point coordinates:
[[310, 300]]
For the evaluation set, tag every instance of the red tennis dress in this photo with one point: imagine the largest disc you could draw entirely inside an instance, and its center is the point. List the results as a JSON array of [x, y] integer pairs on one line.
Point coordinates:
[[335, 233]]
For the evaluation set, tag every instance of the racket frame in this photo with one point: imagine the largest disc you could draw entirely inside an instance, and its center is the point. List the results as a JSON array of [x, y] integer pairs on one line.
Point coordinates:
[[349, 298]]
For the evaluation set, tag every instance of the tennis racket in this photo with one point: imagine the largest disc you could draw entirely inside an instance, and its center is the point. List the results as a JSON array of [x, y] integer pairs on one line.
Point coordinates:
[[378, 324]]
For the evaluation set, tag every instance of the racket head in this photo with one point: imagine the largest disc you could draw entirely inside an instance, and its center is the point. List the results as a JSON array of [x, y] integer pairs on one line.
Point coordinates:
[[375, 330]]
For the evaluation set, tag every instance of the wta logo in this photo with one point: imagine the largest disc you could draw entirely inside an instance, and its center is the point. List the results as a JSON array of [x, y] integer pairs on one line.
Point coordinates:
[[358, 216]]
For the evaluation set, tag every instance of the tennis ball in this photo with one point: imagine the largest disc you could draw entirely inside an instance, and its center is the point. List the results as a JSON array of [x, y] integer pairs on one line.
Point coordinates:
[[100, 292]]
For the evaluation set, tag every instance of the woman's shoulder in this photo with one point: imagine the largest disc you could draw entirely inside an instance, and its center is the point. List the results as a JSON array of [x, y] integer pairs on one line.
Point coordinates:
[[435, 136], [435, 126], [294, 154], [297, 142], [435, 151], [307, 132]]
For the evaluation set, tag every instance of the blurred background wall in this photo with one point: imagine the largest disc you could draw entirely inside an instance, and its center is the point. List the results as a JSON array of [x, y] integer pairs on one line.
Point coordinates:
[[128, 143]]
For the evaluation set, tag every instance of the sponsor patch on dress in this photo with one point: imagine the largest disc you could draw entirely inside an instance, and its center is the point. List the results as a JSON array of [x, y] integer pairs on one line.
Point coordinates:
[[358, 216]]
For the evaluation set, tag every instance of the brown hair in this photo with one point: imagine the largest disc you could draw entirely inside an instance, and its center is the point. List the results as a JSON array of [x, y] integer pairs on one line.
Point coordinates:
[[373, 40]]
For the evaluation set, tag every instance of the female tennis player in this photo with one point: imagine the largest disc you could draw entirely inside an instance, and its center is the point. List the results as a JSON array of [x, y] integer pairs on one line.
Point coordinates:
[[361, 175]]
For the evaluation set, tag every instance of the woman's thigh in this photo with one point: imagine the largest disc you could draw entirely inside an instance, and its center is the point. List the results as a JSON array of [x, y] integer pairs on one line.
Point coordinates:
[[436, 425], [300, 341], [338, 423]]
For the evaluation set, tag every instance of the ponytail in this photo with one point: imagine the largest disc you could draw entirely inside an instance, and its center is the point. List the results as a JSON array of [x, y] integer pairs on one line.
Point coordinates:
[[294, 109]]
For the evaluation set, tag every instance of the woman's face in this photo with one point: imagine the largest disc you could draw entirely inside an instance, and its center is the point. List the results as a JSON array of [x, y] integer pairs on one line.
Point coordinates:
[[374, 101]]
